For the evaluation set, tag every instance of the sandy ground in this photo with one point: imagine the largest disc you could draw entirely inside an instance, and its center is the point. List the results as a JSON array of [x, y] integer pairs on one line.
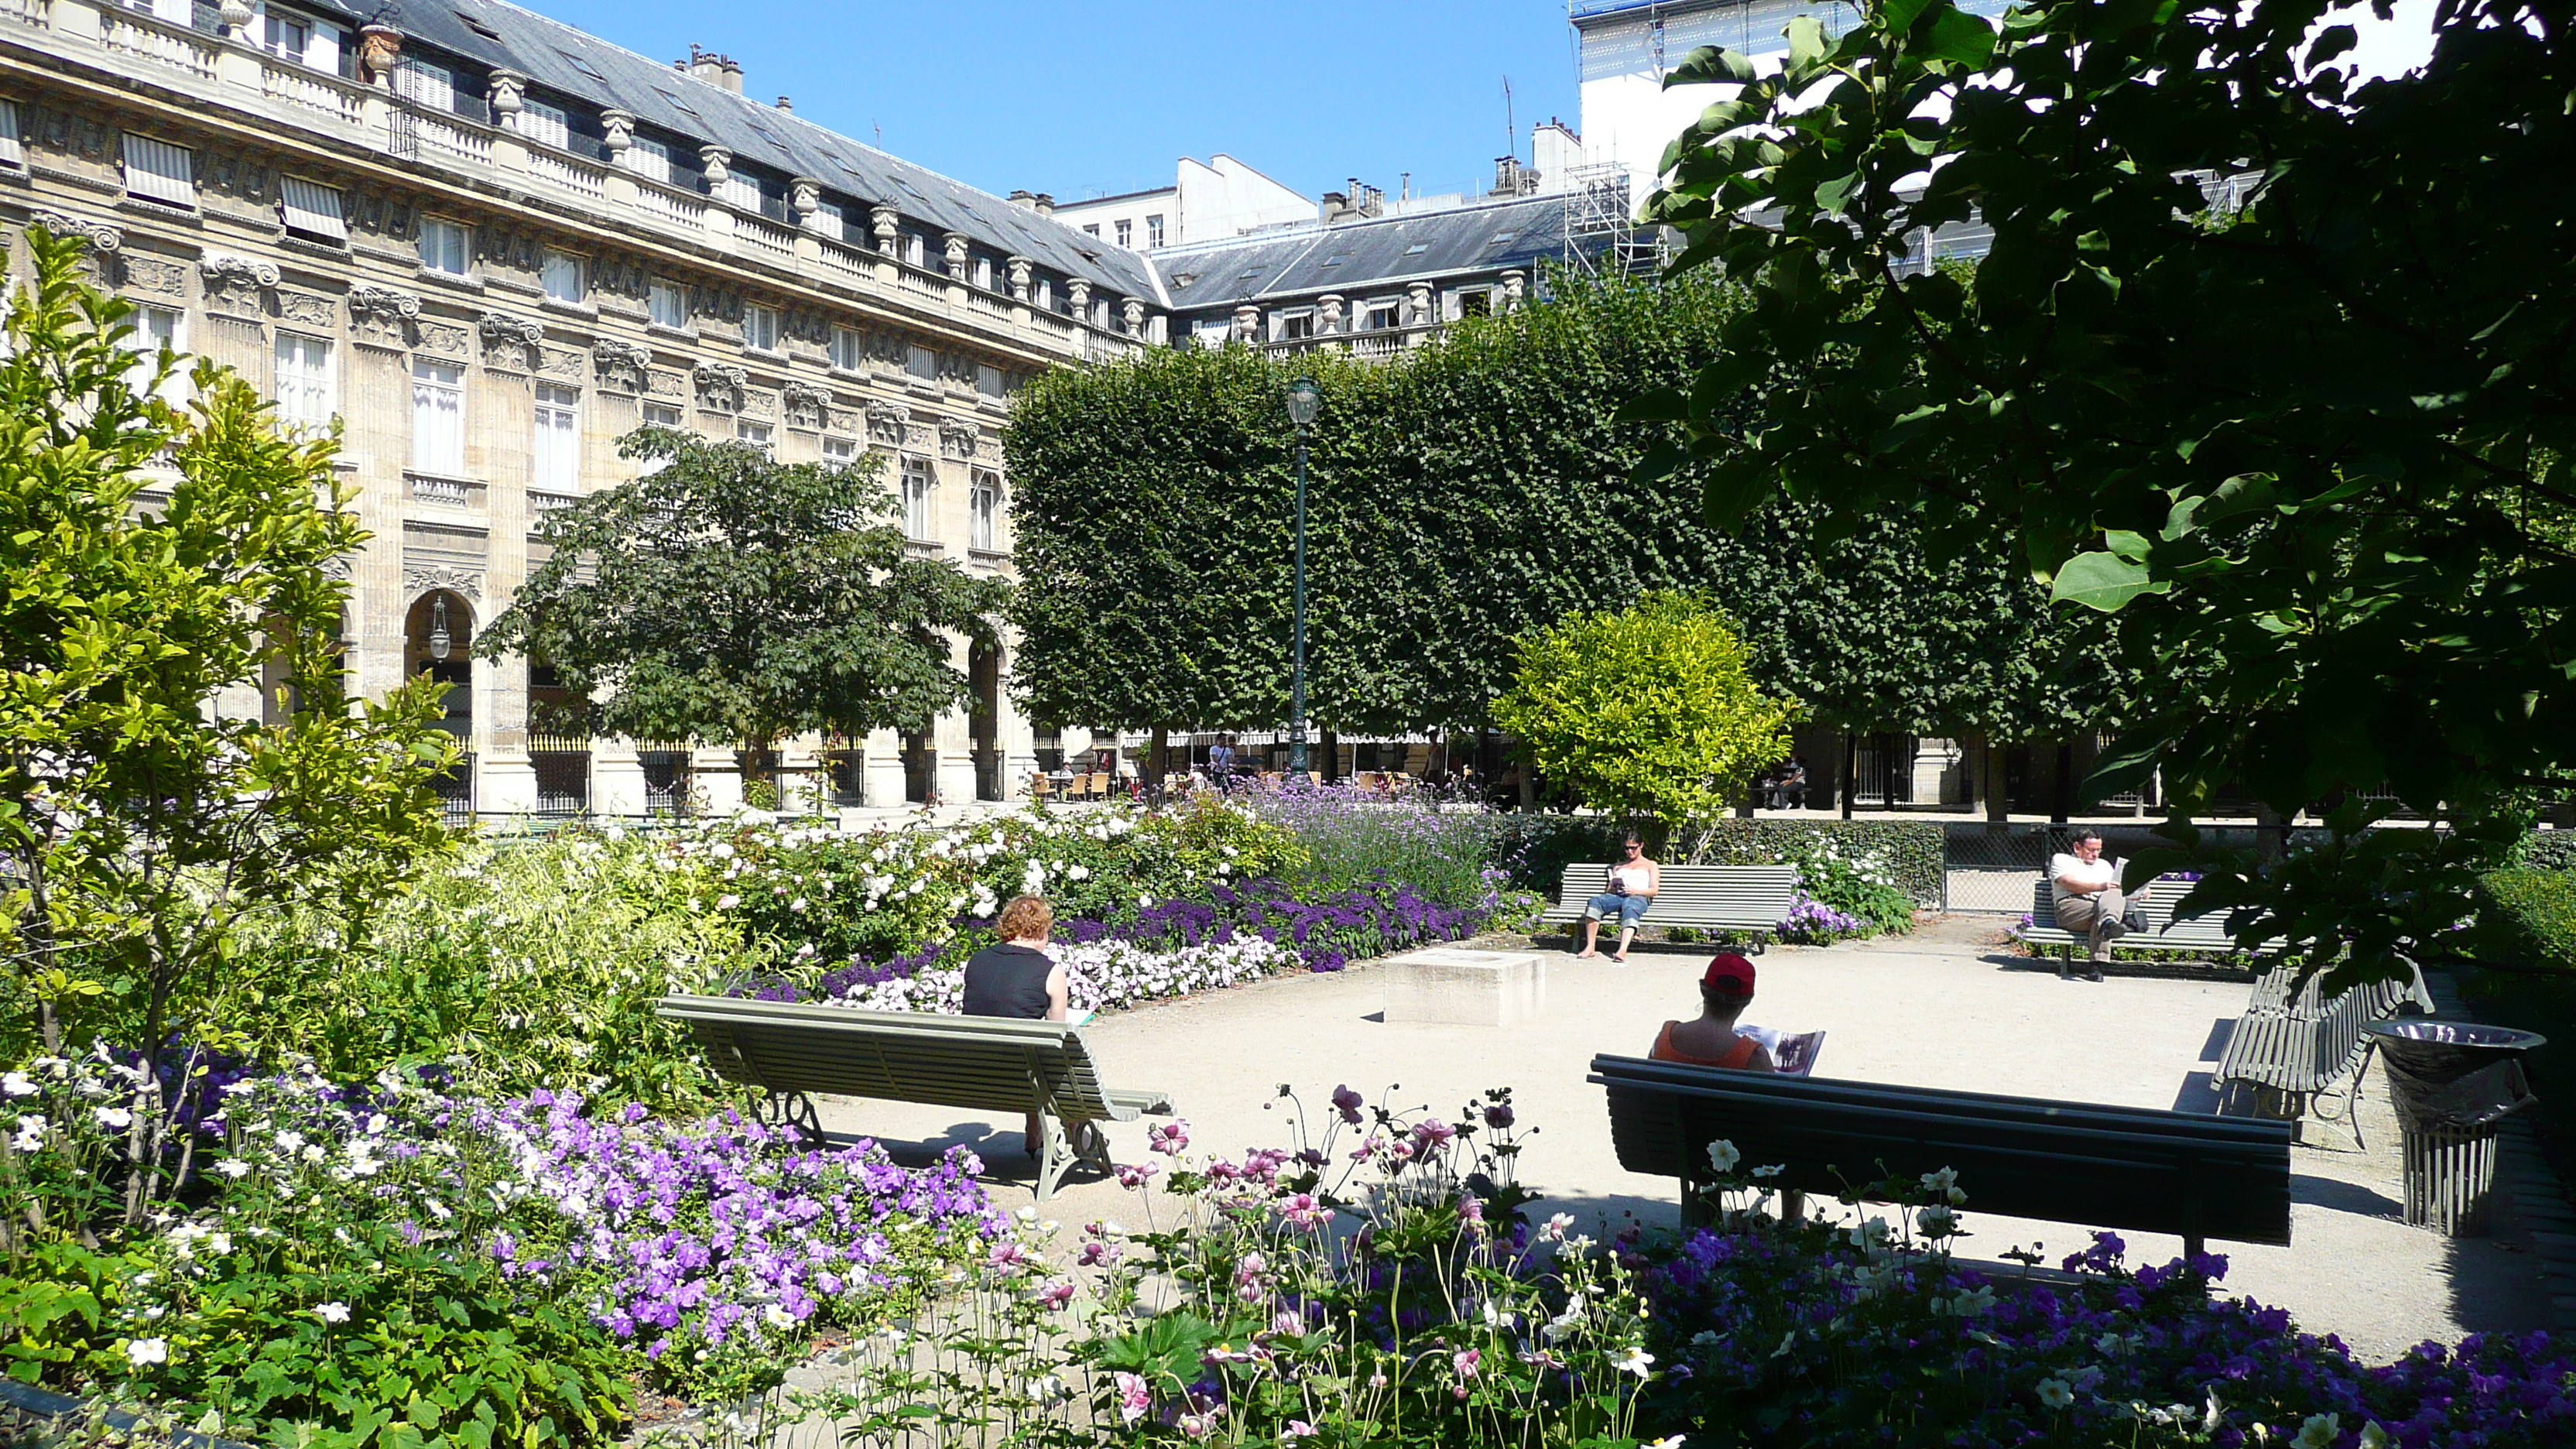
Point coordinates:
[[1944, 1007]]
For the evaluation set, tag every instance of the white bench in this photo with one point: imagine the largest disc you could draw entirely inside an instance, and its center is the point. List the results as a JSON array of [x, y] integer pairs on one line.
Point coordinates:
[[792, 1051], [1753, 899], [2200, 935]]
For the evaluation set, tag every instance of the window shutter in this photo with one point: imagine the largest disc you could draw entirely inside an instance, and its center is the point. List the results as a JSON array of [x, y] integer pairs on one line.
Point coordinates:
[[311, 208], [649, 158], [430, 85], [160, 170], [541, 122]]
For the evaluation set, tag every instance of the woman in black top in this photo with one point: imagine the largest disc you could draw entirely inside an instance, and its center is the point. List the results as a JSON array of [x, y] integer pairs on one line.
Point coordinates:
[[1017, 978]]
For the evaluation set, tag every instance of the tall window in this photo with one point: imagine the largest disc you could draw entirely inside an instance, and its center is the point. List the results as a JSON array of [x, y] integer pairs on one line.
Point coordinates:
[[986, 529], [840, 452], [557, 454], [154, 329], [989, 381], [756, 434], [541, 122], [760, 327], [912, 249], [311, 210], [304, 400], [670, 304], [917, 481], [984, 273], [1126, 232], [285, 36], [849, 348], [830, 221], [1154, 231], [661, 415], [13, 154], [563, 277], [159, 171], [921, 362], [437, 417], [649, 158], [443, 247]]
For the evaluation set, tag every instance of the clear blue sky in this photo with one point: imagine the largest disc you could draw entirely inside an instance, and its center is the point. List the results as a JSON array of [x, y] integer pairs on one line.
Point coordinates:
[[1088, 99]]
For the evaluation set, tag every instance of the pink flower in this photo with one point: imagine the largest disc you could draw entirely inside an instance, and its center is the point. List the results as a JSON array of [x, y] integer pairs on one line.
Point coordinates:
[[1347, 1102], [1432, 1132], [1057, 1294], [1197, 1425], [1095, 1254], [1168, 1138], [1465, 1360], [1298, 1429], [1133, 1398], [1302, 1210], [1137, 1175]]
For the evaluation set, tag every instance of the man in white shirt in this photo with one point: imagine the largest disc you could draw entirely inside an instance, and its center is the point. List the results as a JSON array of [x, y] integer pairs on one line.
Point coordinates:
[[2085, 890]]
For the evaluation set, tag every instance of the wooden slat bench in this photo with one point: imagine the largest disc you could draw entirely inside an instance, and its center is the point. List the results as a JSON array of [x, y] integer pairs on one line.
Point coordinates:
[[997, 1064], [2289, 1053], [2201, 935], [2139, 1168], [1748, 898]]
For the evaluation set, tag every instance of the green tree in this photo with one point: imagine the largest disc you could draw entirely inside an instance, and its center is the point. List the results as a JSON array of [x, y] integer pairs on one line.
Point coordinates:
[[1646, 711], [157, 559], [2273, 362], [726, 598]]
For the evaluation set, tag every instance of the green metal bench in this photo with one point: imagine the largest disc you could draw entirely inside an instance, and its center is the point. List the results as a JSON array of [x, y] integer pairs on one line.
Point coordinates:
[[1749, 898], [792, 1051], [2200, 935], [2289, 1052], [2139, 1168]]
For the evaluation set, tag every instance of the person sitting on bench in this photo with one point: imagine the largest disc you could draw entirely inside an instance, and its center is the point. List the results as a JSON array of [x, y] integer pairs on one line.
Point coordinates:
[[2085, 894], [1018, 978], [1633, 883], [1710, 1039]]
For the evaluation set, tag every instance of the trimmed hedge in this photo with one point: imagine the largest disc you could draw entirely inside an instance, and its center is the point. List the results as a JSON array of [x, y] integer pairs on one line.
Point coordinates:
[[2529, 916], [2547, 850], [1540, 847]]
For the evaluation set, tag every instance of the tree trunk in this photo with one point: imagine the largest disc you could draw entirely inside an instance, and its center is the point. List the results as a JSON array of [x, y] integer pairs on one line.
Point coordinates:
[[1159, 759], [1332, 761], [2065, 782], [1851, 771]]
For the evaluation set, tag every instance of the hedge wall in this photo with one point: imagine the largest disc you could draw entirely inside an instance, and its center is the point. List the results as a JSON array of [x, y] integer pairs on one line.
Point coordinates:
[[2547, 850], [1540, 847], [2528, 917]]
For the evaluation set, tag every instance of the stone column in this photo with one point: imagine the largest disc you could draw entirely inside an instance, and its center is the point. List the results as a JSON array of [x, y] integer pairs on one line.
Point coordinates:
[[885, 223], [881, 770], [715, 777], [616, 778]]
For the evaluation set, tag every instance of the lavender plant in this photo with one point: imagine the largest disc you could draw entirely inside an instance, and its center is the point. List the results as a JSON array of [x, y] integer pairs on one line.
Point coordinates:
[[1353, 838]]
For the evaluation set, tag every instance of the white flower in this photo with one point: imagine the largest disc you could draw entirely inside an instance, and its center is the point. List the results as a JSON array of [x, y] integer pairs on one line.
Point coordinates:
[[2374, 1437], [1938, 1222], [331, 1312], [2319, 1432], [727, 902], [2054, 1394], [18, 1084], [113, 1117], [777, 1317], [1634, 1361], [1723, 1156], [1669, 1441], [289, 1141], [31, 1133], [141, 1351]]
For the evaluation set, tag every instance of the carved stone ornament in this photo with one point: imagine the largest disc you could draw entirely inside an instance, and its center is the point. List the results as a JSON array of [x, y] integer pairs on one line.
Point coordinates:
[[439, 337], [883, 223], [307, 309], [807, 194], [887, 422], [508, 96], [807, 404], [717, 162], [720, 386], [622, 366], [339, 567], [100, 236], [662, 382], [382, 315], [1134, 313], [957, 439], [425, 578], [958, 246], [619, 127], [147, 274], [234, 283], [510, 342], [1019, 269], [379, 47]]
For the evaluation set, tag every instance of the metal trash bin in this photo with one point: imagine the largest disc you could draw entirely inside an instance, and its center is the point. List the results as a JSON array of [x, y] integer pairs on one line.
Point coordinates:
[[2453, 1085]]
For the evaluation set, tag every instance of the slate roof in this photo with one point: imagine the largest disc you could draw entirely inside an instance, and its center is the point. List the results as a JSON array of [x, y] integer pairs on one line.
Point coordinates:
[[555, 57], [1365, 256]]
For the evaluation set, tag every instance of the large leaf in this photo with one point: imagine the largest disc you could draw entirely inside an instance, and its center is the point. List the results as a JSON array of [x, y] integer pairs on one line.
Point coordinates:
[[2103, 581]]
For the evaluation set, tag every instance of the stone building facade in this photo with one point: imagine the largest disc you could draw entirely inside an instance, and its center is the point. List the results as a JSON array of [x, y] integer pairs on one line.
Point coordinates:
[[491, 245]]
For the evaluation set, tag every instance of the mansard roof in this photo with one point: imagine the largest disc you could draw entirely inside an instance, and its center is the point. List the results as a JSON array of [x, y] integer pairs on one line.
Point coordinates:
[[568, 62], [1364, 256]]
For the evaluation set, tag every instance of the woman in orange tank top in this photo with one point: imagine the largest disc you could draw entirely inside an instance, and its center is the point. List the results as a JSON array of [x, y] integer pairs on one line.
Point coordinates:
[[1710, 1040]]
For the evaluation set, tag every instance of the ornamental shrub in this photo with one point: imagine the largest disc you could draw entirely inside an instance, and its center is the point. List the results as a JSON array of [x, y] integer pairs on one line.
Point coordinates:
[[2527, 916], [1351, 837], [2546, 850]]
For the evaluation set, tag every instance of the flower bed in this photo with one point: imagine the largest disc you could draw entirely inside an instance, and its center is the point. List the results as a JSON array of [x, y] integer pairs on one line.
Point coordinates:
[[485, 1269]]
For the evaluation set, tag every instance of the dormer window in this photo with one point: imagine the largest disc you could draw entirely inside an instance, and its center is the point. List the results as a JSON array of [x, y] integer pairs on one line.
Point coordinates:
[[286, 36]]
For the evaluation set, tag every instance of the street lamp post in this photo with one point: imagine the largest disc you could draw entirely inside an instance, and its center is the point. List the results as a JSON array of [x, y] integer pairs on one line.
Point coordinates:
[[1303, 398]]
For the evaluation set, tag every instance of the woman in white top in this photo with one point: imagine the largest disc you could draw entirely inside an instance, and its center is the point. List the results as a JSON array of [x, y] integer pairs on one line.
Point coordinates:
[[2085, 891], [1632, 886]]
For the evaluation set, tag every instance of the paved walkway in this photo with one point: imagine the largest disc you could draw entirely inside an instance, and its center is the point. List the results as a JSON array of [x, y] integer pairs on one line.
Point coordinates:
[[1944, 1007]]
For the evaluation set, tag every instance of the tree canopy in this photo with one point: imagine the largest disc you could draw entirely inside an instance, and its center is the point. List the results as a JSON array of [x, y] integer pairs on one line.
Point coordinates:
[[2271, 362], [157, 559], [727, 598], [1460, 498]]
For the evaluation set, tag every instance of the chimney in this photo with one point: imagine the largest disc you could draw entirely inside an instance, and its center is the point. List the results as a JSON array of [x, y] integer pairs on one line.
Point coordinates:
[[1336, 206], [716, 70], [1023, 198], [1044, 202], [786, 105]]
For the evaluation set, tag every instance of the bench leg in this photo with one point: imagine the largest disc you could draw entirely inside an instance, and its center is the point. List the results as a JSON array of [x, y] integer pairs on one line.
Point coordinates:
[[793, 1110], [1064, 1149]]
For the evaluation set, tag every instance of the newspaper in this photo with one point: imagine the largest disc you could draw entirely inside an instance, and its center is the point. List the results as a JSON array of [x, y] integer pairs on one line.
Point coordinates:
[[1794, 1054]]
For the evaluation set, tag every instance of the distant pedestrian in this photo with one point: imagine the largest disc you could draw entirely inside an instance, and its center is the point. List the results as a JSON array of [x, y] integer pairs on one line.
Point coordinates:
[[1220, 764]]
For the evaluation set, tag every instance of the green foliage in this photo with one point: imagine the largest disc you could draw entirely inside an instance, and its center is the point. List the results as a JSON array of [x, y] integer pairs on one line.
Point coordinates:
[[1540, 847], [142, 833], [1461, 497], [2527, 916], [2318, 461], [2546, 850], [524, 963], [1647, 712], [1351, 836], [725, 598]]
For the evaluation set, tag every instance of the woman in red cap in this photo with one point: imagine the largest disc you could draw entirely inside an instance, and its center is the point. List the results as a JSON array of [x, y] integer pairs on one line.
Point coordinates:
[[1710, 1040]]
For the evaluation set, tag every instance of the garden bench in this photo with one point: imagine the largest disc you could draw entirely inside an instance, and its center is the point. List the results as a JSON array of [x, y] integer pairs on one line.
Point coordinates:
[[1748, 898], [2201, 935], [792, 1051], [2288, 1053], [2139, 1168]]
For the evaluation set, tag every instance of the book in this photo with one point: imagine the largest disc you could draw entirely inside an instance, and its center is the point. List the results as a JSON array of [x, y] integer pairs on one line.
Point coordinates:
[[1080, 1018], [1794, 1054]]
